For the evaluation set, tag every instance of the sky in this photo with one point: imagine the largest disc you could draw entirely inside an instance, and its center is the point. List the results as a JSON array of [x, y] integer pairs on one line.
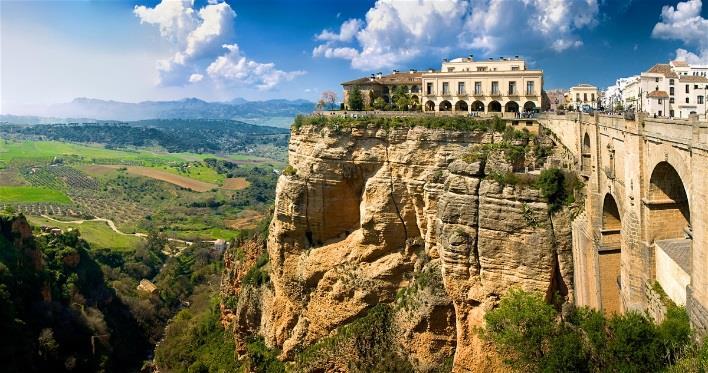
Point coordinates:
[[55, 51]]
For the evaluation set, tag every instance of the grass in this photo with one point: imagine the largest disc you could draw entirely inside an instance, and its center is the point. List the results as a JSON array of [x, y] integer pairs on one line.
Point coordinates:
[[97, 233], [28, 194]]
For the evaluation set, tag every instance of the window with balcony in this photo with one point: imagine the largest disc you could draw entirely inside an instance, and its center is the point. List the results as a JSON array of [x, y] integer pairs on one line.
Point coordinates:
[[478, 88], [512, 88], [529, 88], [577, 97], [495, 88], [429, 88], [592, 97], [461, 88], [446, 88], [585, 97]]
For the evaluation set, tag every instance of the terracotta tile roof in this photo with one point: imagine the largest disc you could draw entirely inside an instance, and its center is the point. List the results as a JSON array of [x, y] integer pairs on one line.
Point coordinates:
[[692, 79], [398, 78], [678, 63], [658, 94], [663, 69]]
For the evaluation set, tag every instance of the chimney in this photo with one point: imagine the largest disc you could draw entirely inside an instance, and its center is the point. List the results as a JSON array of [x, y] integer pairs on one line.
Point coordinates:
[[517, 57], [501, 58], [413, 71], [491, 59], [430, 70], [379, 75], [445, 60]]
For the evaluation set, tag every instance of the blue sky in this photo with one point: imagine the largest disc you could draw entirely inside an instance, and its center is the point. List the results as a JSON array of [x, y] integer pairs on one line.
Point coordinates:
[[53, 51]]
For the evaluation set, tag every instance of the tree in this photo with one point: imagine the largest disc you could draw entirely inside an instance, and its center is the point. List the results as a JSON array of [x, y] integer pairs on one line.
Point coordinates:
[[329, 98], [356, 102], [320, 105], [619, 106], [379, 103], [402, 102]]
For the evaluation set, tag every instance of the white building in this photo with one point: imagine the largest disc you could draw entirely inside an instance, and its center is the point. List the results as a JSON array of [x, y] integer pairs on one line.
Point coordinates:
[[614, 93], [674, 90]]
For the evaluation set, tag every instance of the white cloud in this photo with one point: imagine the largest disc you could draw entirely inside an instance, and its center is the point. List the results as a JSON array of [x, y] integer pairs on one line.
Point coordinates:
[[199, 38], [234, 67], [395, 31], [685, 23], [346, 32]]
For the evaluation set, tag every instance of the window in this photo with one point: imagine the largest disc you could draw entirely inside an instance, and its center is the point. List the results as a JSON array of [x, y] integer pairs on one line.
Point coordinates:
[[700, 100], [460, 88], [577, 97], [481, 68], [671, 113], [512, 88], [660, 112], [429, 88], [415, 89], [529, 88], [478, 88], [495, 88], [671, 82], [671, 91], [695, 86], [446, 88], [656, 88], [514, 68], [592, 97], [585, 97], [657, 80], [687, 100], [450, 69], [671, 100], [687, 88], [661, 101]]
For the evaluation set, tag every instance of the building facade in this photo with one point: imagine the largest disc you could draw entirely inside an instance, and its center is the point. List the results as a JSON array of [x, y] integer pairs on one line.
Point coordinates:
[[671, 90], [490, 86], [556, 99], [383, 86], [583, 95]]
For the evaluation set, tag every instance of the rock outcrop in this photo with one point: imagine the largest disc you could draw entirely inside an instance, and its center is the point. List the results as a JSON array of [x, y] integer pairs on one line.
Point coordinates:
[[365, 211]]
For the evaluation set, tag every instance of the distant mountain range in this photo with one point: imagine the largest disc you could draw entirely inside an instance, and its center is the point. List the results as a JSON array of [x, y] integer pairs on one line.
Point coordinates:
[[277, 112]]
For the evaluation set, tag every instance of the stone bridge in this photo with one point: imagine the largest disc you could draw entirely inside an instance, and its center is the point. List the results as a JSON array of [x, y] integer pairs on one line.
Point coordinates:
[[645, 221]]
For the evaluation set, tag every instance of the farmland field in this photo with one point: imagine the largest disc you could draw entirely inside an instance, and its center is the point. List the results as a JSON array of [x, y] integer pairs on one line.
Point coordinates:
[[236, 183], [159, 174], [97, 233], [31, 194], [183, 195]]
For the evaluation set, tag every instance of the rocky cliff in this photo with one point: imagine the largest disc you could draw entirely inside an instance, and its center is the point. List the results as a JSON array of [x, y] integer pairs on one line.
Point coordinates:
[[367, 215]]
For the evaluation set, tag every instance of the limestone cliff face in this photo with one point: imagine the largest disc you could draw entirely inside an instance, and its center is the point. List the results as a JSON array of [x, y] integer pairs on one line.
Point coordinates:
[[369, 209]]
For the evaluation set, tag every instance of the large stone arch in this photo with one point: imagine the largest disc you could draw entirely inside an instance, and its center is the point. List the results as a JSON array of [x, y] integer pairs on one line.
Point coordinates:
[[445, 105], [461, 106], [669, 213], [429, 105], [494, 107], [610, 256], [477, 106], [511, 107]]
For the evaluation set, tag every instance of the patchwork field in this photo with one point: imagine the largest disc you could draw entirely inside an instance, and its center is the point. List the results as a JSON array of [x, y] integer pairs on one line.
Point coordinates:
[[162, 175], [247, 219], [32, 194], [235, 183]]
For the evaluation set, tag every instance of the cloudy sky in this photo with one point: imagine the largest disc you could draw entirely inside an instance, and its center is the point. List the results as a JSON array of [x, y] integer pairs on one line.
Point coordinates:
[[54, 51]]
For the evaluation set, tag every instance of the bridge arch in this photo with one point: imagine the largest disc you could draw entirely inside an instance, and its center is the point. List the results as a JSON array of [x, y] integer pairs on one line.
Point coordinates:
[[669, 214], [609, 256]]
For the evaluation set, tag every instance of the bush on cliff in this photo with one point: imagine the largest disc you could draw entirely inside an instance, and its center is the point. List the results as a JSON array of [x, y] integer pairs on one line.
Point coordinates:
[[456, 123], [532, 336]]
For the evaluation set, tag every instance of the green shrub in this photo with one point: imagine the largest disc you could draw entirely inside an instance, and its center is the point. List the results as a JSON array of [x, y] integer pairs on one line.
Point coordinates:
[[289, 171]]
